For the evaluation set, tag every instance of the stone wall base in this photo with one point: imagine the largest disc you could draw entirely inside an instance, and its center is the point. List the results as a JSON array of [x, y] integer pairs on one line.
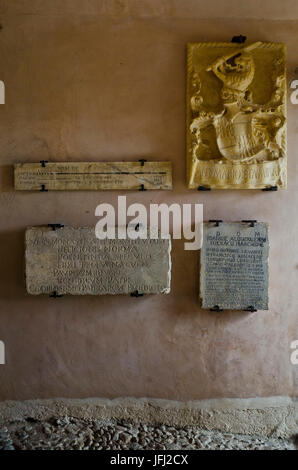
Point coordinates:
[[271, 417]]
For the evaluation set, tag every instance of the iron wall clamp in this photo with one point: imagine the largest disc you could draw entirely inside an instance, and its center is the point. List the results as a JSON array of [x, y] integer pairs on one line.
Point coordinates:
[[216, 308], [270, 188], [215, 221], [43, 187], [142, 161], [250, 222]]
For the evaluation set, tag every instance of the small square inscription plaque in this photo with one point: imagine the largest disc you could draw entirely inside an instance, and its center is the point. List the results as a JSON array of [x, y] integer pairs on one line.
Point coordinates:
[[73, 261], [234, 266]]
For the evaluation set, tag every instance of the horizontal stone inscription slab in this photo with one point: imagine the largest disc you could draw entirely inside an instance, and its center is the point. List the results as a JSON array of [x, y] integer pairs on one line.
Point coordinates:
[[73, 261], [234, 266], [92, 176]]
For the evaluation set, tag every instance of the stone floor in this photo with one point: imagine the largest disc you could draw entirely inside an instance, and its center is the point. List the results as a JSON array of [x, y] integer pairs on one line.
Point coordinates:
[[72, 433]]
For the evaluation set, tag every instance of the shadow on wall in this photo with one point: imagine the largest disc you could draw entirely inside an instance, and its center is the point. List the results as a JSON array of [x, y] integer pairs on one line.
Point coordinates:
[[6, 178], [12, 273]]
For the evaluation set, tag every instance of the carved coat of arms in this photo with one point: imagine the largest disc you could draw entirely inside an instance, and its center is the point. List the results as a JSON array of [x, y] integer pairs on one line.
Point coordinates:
[[236, 122]]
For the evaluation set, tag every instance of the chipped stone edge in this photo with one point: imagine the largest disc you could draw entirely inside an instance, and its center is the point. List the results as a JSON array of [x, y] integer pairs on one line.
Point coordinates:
[[265, 416]]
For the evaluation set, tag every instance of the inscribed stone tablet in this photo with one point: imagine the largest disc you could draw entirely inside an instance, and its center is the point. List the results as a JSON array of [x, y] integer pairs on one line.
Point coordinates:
[[73, 261], [81, 176], [234, 266]]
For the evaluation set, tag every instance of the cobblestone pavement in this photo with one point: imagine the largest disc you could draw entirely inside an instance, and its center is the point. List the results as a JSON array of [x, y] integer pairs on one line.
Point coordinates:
[[72, 433]]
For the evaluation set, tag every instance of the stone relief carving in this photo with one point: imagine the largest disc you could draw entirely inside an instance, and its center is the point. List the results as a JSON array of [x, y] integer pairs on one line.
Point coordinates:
[[236, 115]]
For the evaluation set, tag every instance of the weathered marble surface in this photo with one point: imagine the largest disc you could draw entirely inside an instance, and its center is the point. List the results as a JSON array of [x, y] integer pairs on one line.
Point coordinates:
[[73, 261], [93, 175], [234, 266]]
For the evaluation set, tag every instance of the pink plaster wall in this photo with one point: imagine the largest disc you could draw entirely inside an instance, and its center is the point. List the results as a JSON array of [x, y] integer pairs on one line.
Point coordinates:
[[105, 80]]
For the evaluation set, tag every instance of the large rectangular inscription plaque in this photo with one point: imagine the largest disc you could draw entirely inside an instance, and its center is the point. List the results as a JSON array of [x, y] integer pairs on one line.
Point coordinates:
[[234, 266], [92, 176], [236, 115], [73, 261]]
